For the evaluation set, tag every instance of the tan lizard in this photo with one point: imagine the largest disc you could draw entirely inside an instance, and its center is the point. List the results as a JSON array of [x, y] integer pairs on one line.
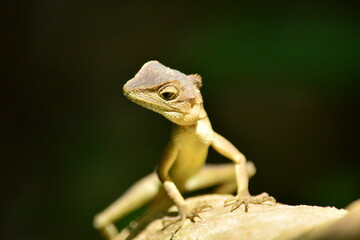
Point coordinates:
[[177, 97]]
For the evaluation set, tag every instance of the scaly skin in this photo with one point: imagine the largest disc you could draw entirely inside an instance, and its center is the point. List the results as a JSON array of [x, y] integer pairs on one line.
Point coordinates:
[[177, 97]]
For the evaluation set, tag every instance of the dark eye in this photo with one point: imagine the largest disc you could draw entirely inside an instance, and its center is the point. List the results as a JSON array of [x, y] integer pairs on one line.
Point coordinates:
[[167, 95], [168, 92]]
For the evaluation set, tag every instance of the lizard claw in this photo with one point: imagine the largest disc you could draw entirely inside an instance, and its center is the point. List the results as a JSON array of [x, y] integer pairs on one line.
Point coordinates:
[[239, 200], [202, 207], [185, 214]]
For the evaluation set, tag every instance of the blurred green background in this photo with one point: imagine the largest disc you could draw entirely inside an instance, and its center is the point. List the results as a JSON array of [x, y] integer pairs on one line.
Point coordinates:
[[281, 81]]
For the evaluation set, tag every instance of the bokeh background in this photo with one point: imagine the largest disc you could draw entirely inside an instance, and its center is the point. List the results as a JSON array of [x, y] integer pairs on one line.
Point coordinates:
[[281, 81]]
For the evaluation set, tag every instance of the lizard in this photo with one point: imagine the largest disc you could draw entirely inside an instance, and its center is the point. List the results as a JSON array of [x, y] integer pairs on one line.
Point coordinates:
[[177, 97]]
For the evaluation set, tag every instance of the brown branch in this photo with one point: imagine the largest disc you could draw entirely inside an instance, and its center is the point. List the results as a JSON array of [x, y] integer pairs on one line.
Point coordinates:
[[265, 221]]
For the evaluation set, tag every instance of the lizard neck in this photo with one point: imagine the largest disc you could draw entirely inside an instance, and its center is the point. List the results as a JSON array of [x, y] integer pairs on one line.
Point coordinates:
[[197, 114], [201, 131], [202, 119], [203, 114], [190, 118]]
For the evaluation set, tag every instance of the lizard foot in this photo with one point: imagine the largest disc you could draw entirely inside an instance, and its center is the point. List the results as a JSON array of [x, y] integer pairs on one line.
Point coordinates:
[[239, 200], [186, 213]]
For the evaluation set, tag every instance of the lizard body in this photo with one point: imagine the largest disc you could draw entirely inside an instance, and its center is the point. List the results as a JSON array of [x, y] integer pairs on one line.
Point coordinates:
[[177, 97], [193, 143]]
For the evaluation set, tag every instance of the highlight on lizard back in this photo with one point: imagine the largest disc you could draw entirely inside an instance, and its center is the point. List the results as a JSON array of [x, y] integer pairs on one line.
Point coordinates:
[[182, 167]]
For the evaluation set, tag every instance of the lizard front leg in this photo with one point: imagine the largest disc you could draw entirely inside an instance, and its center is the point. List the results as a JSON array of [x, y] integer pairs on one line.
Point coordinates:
[[170, 156], [225, 148]]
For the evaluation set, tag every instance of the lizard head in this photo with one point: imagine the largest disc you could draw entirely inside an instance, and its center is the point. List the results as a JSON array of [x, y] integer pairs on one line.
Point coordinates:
[[167, 91]]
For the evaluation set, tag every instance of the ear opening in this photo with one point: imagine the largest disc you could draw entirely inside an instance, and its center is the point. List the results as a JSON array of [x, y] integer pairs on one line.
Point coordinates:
[[196, 78]]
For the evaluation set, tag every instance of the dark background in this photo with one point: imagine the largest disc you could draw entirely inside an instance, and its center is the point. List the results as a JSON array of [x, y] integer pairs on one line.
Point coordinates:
[[281, 81]]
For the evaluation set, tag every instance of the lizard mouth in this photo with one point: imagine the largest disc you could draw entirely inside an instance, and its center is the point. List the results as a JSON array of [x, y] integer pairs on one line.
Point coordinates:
[[149, 103], [126, 92]]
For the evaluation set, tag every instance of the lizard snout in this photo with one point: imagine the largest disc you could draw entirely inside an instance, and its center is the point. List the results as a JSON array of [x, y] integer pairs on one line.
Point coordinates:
[[126, 89]]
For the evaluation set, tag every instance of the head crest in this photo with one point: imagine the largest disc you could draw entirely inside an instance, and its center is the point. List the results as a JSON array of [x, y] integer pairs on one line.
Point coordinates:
[[196, 78]]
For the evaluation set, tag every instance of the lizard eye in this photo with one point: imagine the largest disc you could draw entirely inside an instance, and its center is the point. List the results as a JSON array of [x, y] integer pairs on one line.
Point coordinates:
[[168, 92]]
